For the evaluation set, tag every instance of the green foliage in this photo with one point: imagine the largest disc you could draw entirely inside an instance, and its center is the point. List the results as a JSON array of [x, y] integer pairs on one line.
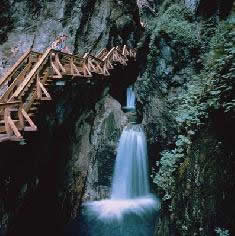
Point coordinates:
[[219, 76], [168, 165], [209, 91], [191, 111], [175, 23], [222, 232]]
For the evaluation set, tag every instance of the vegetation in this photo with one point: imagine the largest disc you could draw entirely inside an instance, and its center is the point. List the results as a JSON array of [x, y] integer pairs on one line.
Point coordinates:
[[222, 232], [211, 90], [176, 23]]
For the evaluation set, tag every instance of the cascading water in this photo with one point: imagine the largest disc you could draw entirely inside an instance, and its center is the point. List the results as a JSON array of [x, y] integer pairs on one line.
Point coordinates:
[[130, 98], [130, 178], [131, 210]]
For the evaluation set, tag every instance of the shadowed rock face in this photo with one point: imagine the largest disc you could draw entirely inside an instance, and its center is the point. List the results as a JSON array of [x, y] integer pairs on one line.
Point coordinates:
[[200, 199], [90, 25], [70, 159], [43, 186]]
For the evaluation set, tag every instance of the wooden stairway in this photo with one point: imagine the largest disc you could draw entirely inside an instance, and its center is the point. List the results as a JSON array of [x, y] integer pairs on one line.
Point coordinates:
[[24, 86]]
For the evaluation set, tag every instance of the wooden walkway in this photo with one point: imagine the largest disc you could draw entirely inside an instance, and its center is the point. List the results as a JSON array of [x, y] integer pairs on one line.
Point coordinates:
[[26, 84]]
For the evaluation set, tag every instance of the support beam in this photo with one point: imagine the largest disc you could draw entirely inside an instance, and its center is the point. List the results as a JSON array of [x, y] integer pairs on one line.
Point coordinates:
[[31, 123], [43, 89]]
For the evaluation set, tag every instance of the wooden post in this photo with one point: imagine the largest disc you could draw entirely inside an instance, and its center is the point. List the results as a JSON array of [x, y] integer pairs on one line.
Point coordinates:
[[7, 126], [20, 116], [58, 63], [26, 116], [43, 89], [39, 92], [71, 65], [58, 74], [14, 128]]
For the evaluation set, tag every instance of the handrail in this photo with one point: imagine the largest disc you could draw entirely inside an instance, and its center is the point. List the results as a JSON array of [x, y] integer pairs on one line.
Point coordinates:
[[32, 73], [27, 81], [6, 104], [109, 54], [95, 58], [15, 82], [101, 52], [14, 67]]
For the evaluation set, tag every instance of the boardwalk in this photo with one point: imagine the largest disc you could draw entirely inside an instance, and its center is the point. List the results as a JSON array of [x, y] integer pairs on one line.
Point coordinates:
[[26, 84]]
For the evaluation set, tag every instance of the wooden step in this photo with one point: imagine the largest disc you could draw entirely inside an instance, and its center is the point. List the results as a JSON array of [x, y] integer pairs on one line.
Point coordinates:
[[45, 99], [2, 125], [57, 77], [49, 79], [36, 103], [33, 108], [3, 122], [13, 109], [28, 128], [6, 137]]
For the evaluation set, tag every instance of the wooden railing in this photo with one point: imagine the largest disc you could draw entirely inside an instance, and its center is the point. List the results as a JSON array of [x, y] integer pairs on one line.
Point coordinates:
[[16, 74], [14, 68], [28, 79]]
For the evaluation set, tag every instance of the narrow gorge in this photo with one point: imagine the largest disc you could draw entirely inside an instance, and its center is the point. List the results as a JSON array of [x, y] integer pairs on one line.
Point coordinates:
[[145, 148]]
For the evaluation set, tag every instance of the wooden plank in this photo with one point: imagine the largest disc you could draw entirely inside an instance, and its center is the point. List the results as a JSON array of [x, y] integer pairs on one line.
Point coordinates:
[[7, 125], [14, 128], [3, 129], [55, 69], [32, 73], [86, 71], [17, 80], [21, 117], [44, 90], [101, 53], [26, 116], [4, 137], [95, 58], [38, 90], [14, 67], [58, 63], [9, 104], [108, 55]]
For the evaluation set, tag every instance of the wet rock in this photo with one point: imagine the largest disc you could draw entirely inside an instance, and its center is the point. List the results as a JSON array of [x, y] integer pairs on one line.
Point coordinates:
[[192, 4]]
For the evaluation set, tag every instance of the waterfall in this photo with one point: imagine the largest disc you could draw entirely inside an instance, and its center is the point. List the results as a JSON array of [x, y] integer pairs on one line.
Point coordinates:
[[130, 175], [131, 209], [130, 98]]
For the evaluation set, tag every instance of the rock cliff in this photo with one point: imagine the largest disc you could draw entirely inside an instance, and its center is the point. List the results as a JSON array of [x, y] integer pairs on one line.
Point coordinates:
[[184, 100], [70, 159]]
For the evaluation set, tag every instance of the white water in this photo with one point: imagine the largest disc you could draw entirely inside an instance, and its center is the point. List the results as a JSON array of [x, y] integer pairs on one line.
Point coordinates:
[[131, 210], [130, 178], [130, 98]]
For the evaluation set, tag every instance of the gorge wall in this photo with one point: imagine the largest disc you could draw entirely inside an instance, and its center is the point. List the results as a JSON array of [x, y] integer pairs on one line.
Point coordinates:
[[70, 159], [184, 100]]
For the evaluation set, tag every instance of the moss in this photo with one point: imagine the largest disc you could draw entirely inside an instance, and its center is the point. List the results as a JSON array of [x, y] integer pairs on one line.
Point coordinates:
[[183, 167], [175, 23]]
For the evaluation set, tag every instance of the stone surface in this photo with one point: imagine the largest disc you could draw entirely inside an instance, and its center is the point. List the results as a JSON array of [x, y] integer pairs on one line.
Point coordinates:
[[168, 65], [77, 137], [90, 25], [192, 4], [42, 187]]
